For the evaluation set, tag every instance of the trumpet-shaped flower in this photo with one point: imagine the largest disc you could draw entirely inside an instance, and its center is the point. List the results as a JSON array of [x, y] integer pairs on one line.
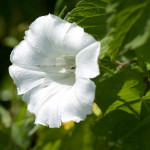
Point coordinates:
[[52, 68]]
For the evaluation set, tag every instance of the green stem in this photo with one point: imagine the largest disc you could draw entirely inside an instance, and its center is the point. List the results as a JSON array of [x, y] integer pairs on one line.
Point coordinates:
[[106, 69], [62, 12]]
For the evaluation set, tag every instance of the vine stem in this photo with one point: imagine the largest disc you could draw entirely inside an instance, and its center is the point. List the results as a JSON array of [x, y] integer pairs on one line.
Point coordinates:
[[106, 69], [62, 12], [121, 64]]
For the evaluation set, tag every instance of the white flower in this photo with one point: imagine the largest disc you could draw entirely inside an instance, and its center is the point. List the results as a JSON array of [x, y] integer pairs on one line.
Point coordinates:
[[52, 67]]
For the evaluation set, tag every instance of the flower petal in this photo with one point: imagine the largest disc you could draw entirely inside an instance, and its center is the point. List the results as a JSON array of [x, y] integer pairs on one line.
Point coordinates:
[[84, 90], [78, 102], [43, 102], [26, 79], [37, 36], [76, 39], [87, 61], [24, 55], [44, 70], [67, 38], [70, 108], [53, 103], [62, 36], [27, 57]]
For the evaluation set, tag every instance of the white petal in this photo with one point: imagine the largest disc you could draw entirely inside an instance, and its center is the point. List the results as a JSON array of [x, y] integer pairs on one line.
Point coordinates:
[[24, 55], [87, 61], [78, 102], [53, 103], [26, 79], [43, 102], [37, 36], [84, 91], [56, 30], [76, 39], [53, 36], [47, 80], [48, 115], [70, 108]]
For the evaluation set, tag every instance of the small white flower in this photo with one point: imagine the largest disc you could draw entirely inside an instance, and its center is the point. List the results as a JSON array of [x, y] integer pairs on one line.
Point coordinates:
[[52, 67]]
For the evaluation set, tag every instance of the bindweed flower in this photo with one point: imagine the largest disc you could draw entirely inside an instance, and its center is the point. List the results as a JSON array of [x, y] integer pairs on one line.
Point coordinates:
[[52, 67]]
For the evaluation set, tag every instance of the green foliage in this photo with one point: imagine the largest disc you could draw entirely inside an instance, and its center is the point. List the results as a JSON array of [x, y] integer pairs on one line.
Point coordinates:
[[5, 117], [124, 63], [91, 16], [121, 118], [129, 25], [122, 107]]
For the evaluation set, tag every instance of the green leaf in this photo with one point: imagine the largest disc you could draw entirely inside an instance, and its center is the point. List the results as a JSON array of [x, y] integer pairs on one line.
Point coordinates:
[[60, 139], [140, 39], [5, 117], [21, 128], [126, 111], [91, 16], [119, 98], [104, 46], [129, 25], [124, 88], [82, 135], [143, 56]]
